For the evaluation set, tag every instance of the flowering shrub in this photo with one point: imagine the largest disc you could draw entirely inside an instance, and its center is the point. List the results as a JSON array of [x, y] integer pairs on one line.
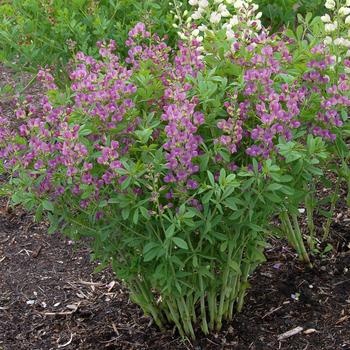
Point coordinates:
[[176, 161]]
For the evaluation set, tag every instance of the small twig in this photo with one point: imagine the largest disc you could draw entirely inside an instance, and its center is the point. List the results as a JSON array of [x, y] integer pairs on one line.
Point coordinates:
[[2, 259], [66, 344], [37, 252], [115, 328], [91, 283], [5, 240], [342, 319], [290, 333], [62, 313], [338, 283], [272, 311]]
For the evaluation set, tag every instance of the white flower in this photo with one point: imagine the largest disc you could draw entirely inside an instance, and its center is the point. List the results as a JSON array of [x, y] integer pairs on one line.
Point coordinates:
[[330, 4], [234, 21], [259, 14], [182, 36], [193, 2], [347, 20], [203, 4], [202, 28], [195, 32], [327, 40], [258, 25], [215, 17], [347, 3], [348, 53], [339, 41], [230, 2], [238, 4], [344, 11], [230, 34], [197, 14], [255, 7], [325, 18], [223, 10], [218, 1], [331, 27]]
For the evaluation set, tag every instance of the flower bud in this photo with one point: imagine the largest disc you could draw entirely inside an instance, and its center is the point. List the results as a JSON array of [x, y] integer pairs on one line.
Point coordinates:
[[326, 18], [344, 11]]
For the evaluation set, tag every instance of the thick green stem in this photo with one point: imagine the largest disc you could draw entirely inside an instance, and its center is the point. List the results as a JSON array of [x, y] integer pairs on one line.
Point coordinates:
[[202, 301], [233, 297], [288, 230], [300, 241], [186, 316], [243, 286], [175, 318], [295, 236], [154, 311], [327, 225], [310, 220], [224, 289], [191, 303], [212, 306]]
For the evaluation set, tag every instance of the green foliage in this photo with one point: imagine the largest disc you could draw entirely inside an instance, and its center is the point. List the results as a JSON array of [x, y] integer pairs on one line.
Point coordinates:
[[42, 32], [279, 13]]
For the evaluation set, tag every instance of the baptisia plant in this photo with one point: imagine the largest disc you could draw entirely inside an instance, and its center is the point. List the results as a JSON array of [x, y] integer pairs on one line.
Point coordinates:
[[176, 161], [137, 155]]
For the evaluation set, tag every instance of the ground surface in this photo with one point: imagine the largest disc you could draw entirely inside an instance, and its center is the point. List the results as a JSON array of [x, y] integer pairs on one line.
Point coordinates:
[[51, 299]]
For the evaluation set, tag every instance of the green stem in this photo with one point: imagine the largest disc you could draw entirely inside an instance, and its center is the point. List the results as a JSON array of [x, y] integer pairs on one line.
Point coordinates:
[[310, 220], [233, 297], [288, 230], [186, 316], [224, 288], [243, 286], [327, 225], [202, 301], [212, 306], [175, 318], [295, 237], [191, 306], [154, 311], [300, 241]]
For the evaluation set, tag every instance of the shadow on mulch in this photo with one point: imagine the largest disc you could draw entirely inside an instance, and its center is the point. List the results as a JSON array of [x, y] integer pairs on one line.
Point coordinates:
[[50, 299]]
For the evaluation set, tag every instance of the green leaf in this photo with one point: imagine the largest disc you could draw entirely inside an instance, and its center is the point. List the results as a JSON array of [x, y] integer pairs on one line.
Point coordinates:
[[211, 178], [170, 231], [135, 218], [235, 267], [180, 243], [274, 187], [231, 203], [151, 254], [47, 205], [206, 198]]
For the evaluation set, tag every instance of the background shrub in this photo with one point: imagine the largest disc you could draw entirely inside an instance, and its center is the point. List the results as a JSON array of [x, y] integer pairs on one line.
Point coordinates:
[[279, 13], [40, 32]]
